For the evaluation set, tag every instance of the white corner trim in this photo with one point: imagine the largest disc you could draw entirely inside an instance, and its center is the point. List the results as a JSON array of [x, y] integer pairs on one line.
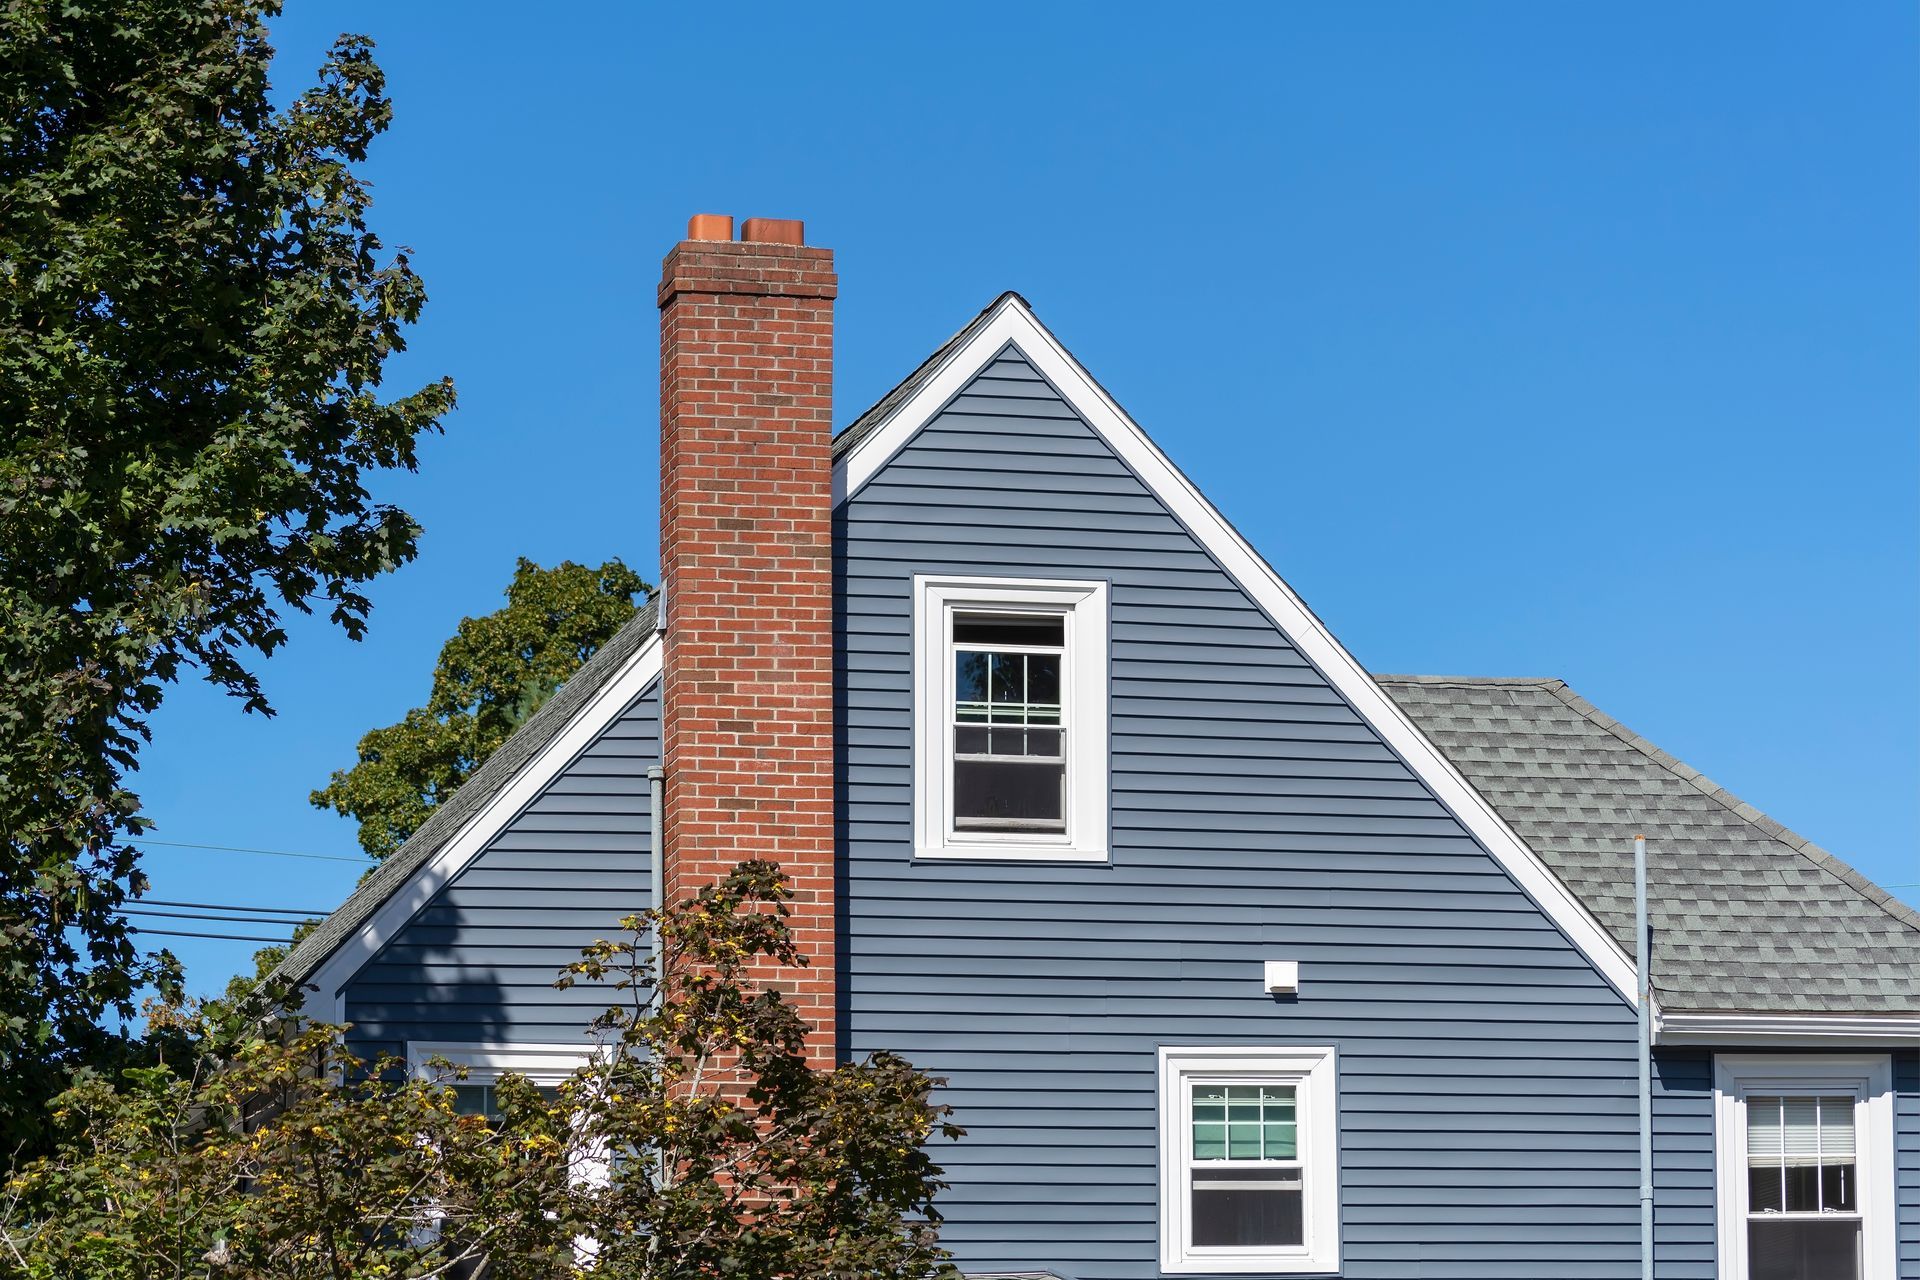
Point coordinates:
[[406, 901], [1011, 322], [1869, 1077], [1314, 1070], [1814, 1030]]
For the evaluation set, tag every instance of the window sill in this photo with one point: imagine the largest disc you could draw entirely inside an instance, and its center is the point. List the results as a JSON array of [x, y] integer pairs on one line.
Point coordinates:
[[1009, 851], [1266, 1265]]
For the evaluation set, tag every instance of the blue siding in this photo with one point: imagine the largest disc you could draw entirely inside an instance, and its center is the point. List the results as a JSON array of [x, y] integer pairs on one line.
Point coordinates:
[[477, 963], [1906, 1123], [1685, 1210], [1487, 1106]]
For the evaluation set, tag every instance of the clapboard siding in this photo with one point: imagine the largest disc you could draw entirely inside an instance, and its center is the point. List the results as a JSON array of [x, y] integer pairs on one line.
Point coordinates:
[[1906, 1122], [1685, 1211], [1487, 1103], [477, 963]]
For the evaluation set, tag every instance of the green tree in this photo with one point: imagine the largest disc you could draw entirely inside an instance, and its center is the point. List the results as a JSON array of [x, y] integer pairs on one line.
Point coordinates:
[[700, 1144], [495, 672], [194, 321]]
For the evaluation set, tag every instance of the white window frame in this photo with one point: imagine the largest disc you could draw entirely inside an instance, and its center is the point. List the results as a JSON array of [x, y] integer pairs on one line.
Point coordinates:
[[1869, 1078], [1314, 1074], [1084, 701], [545, 1066]]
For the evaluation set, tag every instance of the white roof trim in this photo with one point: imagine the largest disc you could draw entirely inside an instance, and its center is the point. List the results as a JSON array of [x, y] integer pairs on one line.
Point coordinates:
[[419, 888], [1812, 1030], [1011, 322]]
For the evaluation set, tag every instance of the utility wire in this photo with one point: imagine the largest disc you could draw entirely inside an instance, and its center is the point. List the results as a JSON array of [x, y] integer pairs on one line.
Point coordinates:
[[271, 853], [222, 906], [218, 937], [207, 915]]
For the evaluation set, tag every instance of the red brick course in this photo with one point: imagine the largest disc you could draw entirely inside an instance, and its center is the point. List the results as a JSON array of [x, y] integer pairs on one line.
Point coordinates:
[[746, 497]]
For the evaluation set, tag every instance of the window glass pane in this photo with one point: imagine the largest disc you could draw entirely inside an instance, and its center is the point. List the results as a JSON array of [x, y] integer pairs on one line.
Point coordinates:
[[1836, 1126], [1043, 687], [1281, 1142], [473, 1099], [1010, 628], [970, 685], [1246, 1208], [1209, 1141], [1800, 1154], [1014, 796], [1803, 1249], [1766, 1188]]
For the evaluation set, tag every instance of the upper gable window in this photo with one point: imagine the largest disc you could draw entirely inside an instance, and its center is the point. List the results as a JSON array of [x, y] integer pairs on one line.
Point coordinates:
[[1010, 680]]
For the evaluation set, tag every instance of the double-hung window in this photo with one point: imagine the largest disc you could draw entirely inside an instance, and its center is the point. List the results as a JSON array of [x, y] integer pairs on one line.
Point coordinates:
[[1248, 1160], [1010, 706], [1805, 1167]]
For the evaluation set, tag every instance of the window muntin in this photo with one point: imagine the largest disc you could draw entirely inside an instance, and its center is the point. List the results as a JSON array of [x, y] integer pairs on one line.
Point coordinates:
[[1249, 1166], [1805, 1166], [1010, 718]]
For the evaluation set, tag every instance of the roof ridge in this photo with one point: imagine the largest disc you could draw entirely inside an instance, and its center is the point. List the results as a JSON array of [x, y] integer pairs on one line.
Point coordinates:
[[1528, 682], [1820, 857]]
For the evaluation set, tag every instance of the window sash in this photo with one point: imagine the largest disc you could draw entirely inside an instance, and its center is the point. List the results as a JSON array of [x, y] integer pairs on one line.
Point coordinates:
[[982, 827]]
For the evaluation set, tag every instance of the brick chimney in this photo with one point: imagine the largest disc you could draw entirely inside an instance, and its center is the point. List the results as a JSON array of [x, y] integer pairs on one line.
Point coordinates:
[[746, 498]]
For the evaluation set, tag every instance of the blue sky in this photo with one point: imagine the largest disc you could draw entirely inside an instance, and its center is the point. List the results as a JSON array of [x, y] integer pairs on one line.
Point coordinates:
[[1522, 339]]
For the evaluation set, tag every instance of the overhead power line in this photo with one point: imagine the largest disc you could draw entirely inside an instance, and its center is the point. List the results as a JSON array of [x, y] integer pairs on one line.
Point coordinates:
[[218, 937], [223, 906], [208, 915], [271, 853]]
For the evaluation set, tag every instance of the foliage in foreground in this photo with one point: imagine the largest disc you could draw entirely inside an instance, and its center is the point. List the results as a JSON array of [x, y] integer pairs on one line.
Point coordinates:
[[194, 322], [698, 1144], [495, 672]]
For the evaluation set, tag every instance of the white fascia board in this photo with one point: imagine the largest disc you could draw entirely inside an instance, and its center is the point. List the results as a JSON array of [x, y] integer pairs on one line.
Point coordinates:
[[1011, 322], [1813, 1030], [331, 978]]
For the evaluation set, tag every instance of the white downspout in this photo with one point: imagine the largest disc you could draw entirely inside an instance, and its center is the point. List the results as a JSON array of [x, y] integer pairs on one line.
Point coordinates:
[[656, 870]]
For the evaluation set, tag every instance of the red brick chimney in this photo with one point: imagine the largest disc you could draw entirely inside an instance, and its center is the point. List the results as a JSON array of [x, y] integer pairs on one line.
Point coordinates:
[[746, 499]]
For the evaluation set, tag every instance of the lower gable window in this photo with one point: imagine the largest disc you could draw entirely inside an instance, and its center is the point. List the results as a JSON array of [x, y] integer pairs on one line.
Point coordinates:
[[1805, 1166], [1010, 715], [1249, 1160]]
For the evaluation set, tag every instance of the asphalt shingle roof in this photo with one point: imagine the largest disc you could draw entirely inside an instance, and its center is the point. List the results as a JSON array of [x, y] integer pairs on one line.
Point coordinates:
[[1747, 917]]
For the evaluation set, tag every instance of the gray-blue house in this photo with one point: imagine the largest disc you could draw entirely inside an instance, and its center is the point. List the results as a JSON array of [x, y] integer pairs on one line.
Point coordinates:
[[1238, 959]]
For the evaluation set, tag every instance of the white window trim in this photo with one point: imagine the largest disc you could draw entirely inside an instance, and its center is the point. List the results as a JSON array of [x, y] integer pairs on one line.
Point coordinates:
[[1313, 1070], [545, 1066], [1869, 1077], [1084, 604]]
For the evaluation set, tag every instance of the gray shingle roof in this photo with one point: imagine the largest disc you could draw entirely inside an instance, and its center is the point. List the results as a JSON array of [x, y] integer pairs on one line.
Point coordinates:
[[526, 742], [1747, 917]]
